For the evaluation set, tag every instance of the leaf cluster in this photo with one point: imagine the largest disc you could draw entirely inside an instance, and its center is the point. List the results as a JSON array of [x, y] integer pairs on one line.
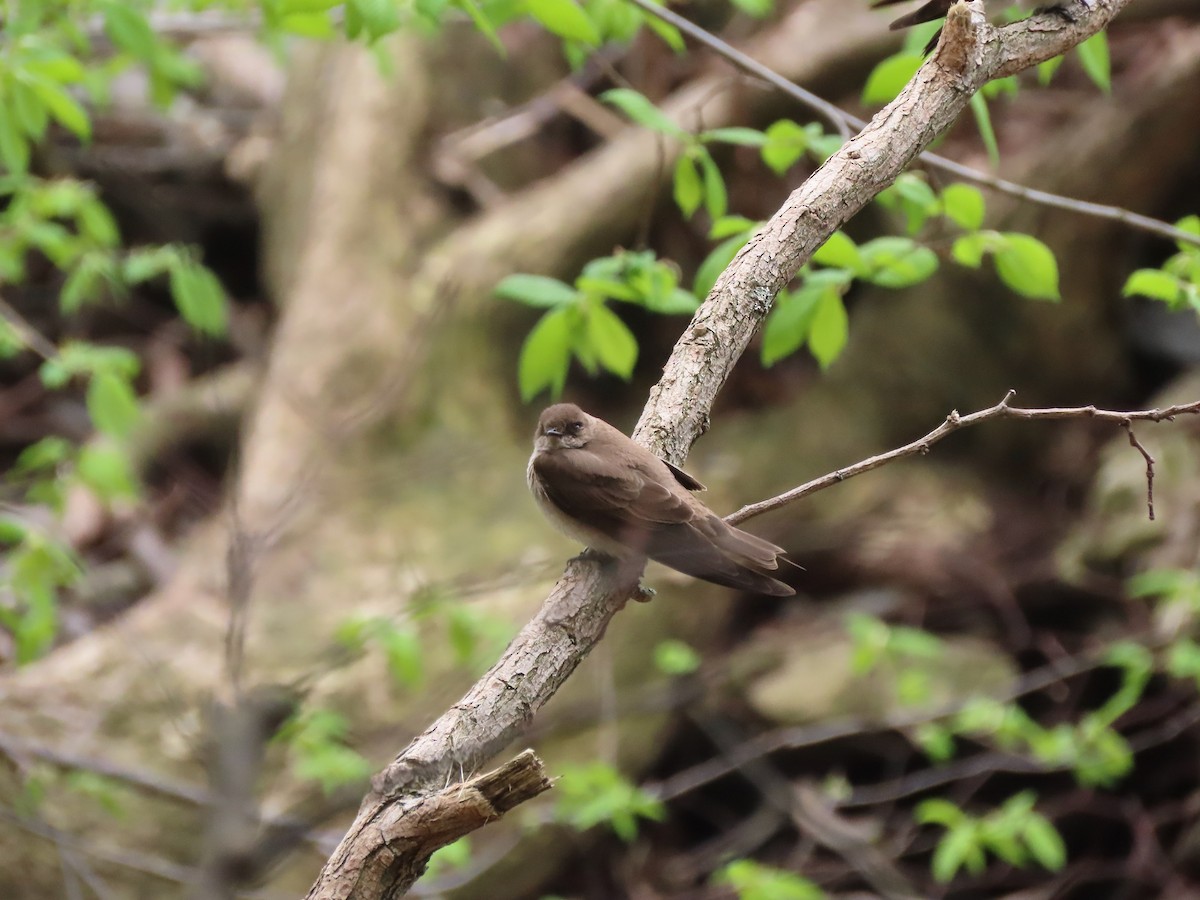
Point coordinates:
[[579, 323], [1015, 833]]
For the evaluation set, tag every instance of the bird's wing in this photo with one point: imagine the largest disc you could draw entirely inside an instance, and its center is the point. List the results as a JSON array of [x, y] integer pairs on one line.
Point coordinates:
[[628, 495]]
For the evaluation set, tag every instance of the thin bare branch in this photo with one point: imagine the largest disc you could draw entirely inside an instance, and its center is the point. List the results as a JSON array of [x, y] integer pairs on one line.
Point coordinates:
[[954, 422]]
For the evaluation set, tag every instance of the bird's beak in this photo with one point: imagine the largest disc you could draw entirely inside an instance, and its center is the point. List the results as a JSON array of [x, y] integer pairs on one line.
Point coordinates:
[[553, 431]]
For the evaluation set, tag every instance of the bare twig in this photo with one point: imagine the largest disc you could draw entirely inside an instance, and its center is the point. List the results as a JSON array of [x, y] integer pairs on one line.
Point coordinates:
[[954, 422], [33, 338], [1137, 445]]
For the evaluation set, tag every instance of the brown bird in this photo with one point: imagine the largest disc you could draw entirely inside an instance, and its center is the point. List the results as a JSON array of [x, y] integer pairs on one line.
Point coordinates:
[[601, 488]]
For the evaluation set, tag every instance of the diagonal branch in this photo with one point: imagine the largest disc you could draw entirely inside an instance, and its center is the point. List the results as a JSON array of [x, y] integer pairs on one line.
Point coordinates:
[[573, 618]]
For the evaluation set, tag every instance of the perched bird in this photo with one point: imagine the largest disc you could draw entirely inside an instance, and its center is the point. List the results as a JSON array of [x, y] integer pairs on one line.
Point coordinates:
[[937, 9], [600, 487]]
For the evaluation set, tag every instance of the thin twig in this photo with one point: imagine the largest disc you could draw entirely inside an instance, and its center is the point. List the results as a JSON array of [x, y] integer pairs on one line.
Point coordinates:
[[844, 122], [1137, 445], [33, 338], [953, 423]]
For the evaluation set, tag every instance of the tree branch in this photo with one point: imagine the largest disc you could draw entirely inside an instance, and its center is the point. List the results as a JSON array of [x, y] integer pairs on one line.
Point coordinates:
[[954, 422], [404, 835], [368, 864]]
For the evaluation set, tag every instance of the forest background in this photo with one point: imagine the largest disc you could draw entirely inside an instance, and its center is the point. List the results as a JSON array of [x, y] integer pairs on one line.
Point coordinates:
[[283, 287]]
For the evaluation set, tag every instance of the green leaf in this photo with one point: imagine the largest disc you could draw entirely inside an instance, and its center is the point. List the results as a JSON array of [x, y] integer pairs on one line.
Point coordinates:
[[744, 137], [675, 303], [957, 848], [593, 793], [666, 32], [57, 66], [756, 9], [1156, 284], [983, 121], [963, 205], [144, 264], [199, 298], [888, 79], [689, 191], [377, 18], [105, 469], [545, 355], [674, 657], [936, 811], [81, 286], [566, 19], [716, 201], [1047, 70], [129, 30], [310, 25], [611, 340], [48, 453], [642, 111], [1159, 582], [112, 405], [463, 631], [839, 251], [607, 287], [1094, 57], [14, 148], [1183, 659], [536, 290], [331, 766], [1027, 266], [715, 263], [786, 143], [31, 114], [450, 857], [1190, 224], [65, 109], [485, 25], [897, 262], [915, 643], [829, 330], [727, 226], [788, 324], [402, 646], [936, 741], [969, 249], [98, 224], [1044, 842], [751, 880], [912, 687]]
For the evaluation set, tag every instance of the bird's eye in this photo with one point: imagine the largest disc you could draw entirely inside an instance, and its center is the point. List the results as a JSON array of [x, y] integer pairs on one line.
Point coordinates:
[[574, 427]]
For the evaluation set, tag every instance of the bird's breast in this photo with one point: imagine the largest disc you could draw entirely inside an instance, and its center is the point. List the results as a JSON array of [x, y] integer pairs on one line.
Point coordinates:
[[565, 523]]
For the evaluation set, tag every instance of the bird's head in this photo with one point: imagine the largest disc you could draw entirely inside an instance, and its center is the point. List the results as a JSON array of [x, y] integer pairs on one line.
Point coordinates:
[[563, 426]]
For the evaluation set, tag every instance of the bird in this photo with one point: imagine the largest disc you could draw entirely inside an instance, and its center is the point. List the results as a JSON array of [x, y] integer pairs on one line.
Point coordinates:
[[937, 9], [598, 486]]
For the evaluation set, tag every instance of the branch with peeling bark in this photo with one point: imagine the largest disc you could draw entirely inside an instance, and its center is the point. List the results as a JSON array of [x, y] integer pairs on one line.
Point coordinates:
[[370, 863]]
